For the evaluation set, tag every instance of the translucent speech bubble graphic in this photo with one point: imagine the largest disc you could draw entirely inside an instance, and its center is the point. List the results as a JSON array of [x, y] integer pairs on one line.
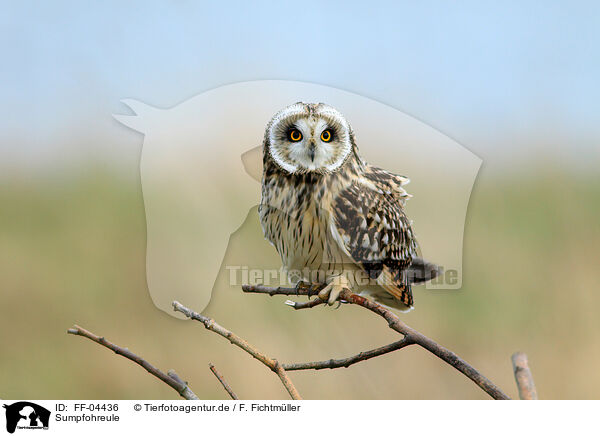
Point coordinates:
[[197, 191]]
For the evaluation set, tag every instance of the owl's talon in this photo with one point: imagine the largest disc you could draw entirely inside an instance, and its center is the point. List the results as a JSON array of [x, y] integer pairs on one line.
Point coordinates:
[[324, 293], [331, 293], [311, 288]]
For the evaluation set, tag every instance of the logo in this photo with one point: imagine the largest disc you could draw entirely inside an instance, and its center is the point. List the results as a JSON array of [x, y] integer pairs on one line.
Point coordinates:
[[26, 415], [201, 184]]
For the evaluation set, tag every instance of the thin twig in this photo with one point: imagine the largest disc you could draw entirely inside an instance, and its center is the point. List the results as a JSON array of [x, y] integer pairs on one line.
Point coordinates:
[[307, 290], [396, 324], [172, 379], [223, 382], [345, 363], [523, 377], [211, 325], [306, 305]]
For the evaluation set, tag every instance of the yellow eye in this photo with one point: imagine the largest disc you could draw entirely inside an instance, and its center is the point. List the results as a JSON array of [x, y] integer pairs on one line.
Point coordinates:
[[326, 135], [295, 135]]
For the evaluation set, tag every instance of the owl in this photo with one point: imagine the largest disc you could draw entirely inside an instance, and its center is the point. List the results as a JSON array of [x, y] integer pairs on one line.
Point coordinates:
[[334, 219]]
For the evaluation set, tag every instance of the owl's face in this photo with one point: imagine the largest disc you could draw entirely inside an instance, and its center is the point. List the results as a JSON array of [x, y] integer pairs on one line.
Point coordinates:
[[309, 137]]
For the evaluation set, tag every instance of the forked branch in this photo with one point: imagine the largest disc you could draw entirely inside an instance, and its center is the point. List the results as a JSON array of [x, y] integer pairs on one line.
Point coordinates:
[[410, 335], [211, 325]]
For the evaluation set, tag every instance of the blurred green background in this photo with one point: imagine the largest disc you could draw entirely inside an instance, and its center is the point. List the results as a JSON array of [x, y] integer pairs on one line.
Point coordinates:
[[73, 251]]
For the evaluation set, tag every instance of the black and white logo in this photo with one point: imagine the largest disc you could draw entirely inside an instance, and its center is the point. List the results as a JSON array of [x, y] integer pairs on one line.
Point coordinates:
[[26, 415]]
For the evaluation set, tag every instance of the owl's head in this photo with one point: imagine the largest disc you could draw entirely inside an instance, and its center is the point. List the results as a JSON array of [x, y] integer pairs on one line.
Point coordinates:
[[307, 137]]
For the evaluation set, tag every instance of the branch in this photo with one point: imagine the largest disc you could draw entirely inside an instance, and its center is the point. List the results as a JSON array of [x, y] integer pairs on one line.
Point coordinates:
[[345, 363], [523, 377], [211, 325], [297, 305], [309, 291], [396, 324], [172, 379], [223, 382]]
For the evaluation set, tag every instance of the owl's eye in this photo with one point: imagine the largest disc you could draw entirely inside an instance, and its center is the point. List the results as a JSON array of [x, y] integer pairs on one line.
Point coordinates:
[[326, 135], [294, 135]]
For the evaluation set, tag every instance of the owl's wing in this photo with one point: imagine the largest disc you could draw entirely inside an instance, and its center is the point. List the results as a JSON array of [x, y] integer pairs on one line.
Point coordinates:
[[389, 183], [370, 225]]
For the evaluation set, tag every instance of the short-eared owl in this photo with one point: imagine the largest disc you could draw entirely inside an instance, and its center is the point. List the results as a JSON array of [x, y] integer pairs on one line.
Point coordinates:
[[333, 218]]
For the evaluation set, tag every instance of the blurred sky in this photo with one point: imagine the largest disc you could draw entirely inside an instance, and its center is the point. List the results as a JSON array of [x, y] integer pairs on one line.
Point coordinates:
[[505, 80]]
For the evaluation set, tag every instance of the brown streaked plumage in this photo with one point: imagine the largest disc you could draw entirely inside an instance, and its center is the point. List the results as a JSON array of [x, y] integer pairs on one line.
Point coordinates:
[[333, 218]]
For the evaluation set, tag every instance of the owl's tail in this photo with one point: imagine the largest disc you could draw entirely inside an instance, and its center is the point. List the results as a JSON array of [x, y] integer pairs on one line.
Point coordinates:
[[421, 271]]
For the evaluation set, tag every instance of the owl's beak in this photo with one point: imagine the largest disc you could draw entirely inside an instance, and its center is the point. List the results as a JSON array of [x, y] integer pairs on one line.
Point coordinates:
[[311, 150]]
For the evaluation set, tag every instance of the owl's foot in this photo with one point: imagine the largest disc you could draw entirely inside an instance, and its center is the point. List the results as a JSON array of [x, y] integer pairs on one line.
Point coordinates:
[[332, 291], [311, 288]]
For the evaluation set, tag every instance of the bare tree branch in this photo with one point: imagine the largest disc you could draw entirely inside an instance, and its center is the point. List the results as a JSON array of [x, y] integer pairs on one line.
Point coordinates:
[[523, 377], [286, 381], [345, 363], [172, 379], [309, 291], [223, 382], [396, 324], [411, 336], [306, 305], [211, 325]]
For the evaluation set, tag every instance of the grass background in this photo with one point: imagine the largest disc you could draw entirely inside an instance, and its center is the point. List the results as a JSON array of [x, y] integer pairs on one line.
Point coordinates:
[[73, 251]]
